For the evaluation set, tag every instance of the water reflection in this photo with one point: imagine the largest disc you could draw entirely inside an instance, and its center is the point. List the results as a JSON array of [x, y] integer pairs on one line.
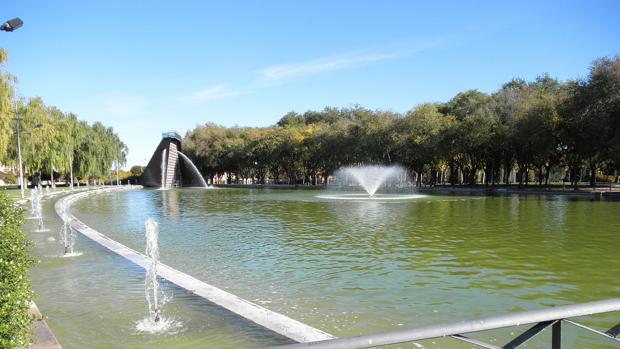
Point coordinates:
[[171, 209]]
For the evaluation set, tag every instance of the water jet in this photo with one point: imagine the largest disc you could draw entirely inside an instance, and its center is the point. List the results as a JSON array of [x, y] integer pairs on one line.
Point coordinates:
[[155, 322], [371, 178]]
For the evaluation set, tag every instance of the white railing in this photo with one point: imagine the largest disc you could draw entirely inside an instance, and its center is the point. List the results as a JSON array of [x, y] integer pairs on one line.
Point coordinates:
[[542, 319]]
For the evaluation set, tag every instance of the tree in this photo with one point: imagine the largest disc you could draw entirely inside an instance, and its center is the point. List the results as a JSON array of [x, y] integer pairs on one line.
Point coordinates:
[[52, 139], [590, 114], [419, 139], [7, 111], [136, 170], [291, 119]]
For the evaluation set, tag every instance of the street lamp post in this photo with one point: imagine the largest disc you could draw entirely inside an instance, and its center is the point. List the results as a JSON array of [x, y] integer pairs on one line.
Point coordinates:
[[9, 26], [19, 156]]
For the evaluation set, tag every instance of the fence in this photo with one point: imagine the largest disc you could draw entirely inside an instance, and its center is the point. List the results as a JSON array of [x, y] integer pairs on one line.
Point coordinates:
[[542, 319]]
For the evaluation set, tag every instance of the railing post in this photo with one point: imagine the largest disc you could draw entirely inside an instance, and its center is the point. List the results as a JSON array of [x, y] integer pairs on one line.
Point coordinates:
[[556, 335]]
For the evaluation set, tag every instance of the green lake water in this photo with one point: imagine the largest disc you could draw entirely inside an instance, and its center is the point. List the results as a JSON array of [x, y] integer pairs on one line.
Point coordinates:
[[347, 267]]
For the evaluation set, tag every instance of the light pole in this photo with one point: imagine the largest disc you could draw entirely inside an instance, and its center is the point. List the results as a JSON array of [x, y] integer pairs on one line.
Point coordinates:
[[9, 26], [19, 155]]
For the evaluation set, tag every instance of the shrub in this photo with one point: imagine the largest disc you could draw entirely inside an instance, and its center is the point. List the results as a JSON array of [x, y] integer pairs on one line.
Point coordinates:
[[10, 179], [15, 291]]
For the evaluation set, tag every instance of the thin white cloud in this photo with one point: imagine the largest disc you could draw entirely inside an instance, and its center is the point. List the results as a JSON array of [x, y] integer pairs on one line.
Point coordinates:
[[283, 73], [212, 93], [121, 105], [297, 70]]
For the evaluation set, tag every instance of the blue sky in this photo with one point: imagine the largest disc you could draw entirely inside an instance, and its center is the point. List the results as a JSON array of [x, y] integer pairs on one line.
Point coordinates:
[[145, 67]]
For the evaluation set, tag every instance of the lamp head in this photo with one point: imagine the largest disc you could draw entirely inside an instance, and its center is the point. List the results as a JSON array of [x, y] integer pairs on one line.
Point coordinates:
[[11, 24]]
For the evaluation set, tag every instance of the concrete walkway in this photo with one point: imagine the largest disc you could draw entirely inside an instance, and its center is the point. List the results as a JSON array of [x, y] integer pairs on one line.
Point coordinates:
[[43, 336]]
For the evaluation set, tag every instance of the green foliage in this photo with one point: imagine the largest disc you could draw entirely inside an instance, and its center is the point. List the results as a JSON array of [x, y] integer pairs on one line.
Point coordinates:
[[522, 127], [136, 170], [6, 106], [15, 292], [590, 118], [10, 179]]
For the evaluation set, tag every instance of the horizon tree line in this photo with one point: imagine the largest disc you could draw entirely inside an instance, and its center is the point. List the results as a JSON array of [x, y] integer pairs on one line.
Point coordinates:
[[526, 131]]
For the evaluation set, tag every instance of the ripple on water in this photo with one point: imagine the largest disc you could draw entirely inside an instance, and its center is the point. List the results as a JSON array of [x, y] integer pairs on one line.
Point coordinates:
[[376, 197], [166, 325]]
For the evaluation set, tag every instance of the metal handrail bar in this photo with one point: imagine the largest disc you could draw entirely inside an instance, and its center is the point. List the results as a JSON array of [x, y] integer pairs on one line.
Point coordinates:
[[461, 327], [593, 330]]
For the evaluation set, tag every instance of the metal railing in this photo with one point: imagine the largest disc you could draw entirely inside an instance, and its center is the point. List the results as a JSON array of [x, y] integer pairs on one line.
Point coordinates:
[[542, 319], [171, 134]]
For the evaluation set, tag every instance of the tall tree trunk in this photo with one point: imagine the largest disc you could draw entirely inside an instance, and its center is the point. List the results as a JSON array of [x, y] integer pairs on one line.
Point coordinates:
[[540, 175], [592, 174], [527, 176], [507, 170], [452, 174], [573, 177]]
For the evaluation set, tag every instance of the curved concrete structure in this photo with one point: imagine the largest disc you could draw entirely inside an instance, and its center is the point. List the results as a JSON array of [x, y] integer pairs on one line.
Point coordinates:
[[166, 168], [271, 320]]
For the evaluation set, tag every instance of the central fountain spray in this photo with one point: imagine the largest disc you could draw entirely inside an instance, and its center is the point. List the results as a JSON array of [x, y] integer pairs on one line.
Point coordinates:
[[371, 178]]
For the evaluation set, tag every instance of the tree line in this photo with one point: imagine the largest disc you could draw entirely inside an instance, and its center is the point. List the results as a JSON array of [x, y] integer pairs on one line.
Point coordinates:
[[525, 131], [52, 139]]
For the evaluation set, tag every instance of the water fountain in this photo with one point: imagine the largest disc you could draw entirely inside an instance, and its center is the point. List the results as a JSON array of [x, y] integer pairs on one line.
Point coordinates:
[[33, 203], [371, 178], [163, 169], [170, 167], [38, 207], [67, 235], [155, 322], [194, 169]]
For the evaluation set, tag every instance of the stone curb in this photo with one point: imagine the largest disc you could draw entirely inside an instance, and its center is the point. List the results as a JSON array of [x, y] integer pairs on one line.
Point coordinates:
[[43, 336]]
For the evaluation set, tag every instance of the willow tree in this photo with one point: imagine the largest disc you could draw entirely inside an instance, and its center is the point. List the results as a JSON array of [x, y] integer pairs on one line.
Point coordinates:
[[7, 124], [98, 148]]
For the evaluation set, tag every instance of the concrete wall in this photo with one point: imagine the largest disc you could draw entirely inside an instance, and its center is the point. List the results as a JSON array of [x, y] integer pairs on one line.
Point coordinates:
[[151, 177]]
